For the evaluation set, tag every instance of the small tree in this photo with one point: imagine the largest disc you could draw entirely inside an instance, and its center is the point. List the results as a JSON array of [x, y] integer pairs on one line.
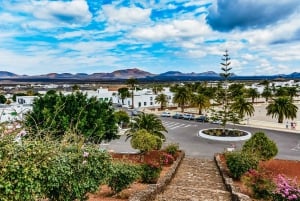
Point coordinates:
[[260, 145], [223, 97], [162, 99], [2, 99], [122, 118], [54, 115], [144, 141], [123, 93]]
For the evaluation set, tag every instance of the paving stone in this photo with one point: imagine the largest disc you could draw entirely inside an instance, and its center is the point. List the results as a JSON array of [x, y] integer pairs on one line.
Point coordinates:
[[196, 180]]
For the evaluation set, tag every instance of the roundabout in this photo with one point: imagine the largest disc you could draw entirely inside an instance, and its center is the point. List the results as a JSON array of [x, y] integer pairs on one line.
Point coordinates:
[[230, 135]]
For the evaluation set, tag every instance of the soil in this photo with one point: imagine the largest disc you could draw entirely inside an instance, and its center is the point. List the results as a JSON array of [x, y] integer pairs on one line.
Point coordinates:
[[228, 133], [105, 193], [273, 167]]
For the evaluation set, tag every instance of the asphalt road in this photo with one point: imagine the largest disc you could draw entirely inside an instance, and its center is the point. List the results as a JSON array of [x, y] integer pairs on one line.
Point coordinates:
[[185, 133]]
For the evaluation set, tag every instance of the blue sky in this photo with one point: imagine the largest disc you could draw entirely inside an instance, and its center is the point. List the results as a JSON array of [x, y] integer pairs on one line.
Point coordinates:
[[89, 36]]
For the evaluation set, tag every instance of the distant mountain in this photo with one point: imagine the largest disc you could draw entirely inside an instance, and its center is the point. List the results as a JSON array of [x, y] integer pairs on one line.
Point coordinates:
[[5, 74], [140, 74], [178, 73]]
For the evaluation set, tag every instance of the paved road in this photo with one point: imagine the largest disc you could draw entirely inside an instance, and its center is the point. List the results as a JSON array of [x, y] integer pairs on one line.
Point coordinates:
[[185, 132]]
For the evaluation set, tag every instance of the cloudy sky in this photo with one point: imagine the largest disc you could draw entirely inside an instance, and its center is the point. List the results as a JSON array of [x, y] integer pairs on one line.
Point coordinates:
[[88, 36]]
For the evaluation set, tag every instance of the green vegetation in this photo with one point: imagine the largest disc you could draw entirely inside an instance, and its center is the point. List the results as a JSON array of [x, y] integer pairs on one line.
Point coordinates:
[[144, 141], [60, 171], [122, 175], [239, 163], [282, 107], [56, 114], [261, 146], [150, 122]]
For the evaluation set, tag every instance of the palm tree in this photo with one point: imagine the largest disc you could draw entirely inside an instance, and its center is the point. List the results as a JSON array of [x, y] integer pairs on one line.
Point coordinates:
[[181, 96], [132, 82], [242, 107], [201, 101], [292, 92], [150, 122], [267, 93], [123, 93], [282, 107], [252, 93], [162, 99], [157, 88]]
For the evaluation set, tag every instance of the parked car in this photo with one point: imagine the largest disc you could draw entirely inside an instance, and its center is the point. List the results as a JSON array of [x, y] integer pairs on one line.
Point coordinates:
[[216, 121], [188, 116], [177, 116], [135, 113], [202, 118], [165, 114]]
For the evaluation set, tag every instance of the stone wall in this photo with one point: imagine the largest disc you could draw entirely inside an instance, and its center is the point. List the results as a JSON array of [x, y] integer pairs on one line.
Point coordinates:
[[236, 195], [152, 190]]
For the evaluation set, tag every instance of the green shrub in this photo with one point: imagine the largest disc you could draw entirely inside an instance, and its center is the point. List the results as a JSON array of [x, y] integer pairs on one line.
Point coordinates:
[[239, 163], [122, 118], [49, 169], [260, 184], [172, 149], [144, 141], [122, 175], [150, 173], [260, 145]]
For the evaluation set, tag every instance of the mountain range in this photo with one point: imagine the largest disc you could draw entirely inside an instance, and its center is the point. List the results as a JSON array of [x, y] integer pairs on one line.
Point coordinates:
[[139, 74]]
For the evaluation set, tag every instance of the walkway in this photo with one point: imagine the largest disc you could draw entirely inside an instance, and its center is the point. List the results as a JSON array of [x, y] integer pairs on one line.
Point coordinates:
[[196, 180]]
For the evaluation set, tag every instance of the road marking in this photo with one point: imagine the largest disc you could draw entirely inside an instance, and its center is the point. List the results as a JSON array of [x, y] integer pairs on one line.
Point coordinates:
[[297, 147], [177, 126]]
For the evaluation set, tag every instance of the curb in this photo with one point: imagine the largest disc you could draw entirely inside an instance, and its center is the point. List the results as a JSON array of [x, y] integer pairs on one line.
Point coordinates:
[[235, 194], [149, 194]]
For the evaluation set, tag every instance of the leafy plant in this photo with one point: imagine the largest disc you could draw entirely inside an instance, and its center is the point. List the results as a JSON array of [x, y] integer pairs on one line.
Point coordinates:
[[258, 181], [122, 175], [286, 189], [239, 163], [61, 171], [260, 145], [150, 173], [144, 141], [56, 114], [122, 118], [172, 148], [166, 159]]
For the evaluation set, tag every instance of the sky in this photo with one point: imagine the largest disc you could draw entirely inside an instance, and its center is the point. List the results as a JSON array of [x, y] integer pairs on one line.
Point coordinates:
[[92, 36]]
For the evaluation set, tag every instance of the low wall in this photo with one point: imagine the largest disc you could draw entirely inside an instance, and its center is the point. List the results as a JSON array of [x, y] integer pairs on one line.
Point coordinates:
[[235, 194], [149, 194]]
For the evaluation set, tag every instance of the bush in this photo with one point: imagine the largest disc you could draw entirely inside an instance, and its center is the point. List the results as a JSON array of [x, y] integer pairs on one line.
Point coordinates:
[[172, 149], [39, 169], [239, 163], [150, 173], [122, 175], [122, 118], [56, 114], [166, 159], [260, 145], [259, 183], [287, 189], [144, 141]]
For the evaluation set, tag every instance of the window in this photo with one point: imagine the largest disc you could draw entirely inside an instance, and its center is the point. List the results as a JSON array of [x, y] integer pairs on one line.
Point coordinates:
[[151, 103], [145, 103], [151, 98]]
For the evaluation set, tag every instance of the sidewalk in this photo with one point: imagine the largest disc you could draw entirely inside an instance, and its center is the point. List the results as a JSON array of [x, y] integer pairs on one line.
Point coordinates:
[[258, 120], [271, 125]]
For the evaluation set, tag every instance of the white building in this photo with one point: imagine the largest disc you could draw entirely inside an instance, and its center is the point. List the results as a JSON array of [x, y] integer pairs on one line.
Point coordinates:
[[25, 100]]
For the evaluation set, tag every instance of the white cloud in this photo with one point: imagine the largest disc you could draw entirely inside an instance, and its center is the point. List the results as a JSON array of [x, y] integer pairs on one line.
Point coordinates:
[[126, 15], [176, 28]]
